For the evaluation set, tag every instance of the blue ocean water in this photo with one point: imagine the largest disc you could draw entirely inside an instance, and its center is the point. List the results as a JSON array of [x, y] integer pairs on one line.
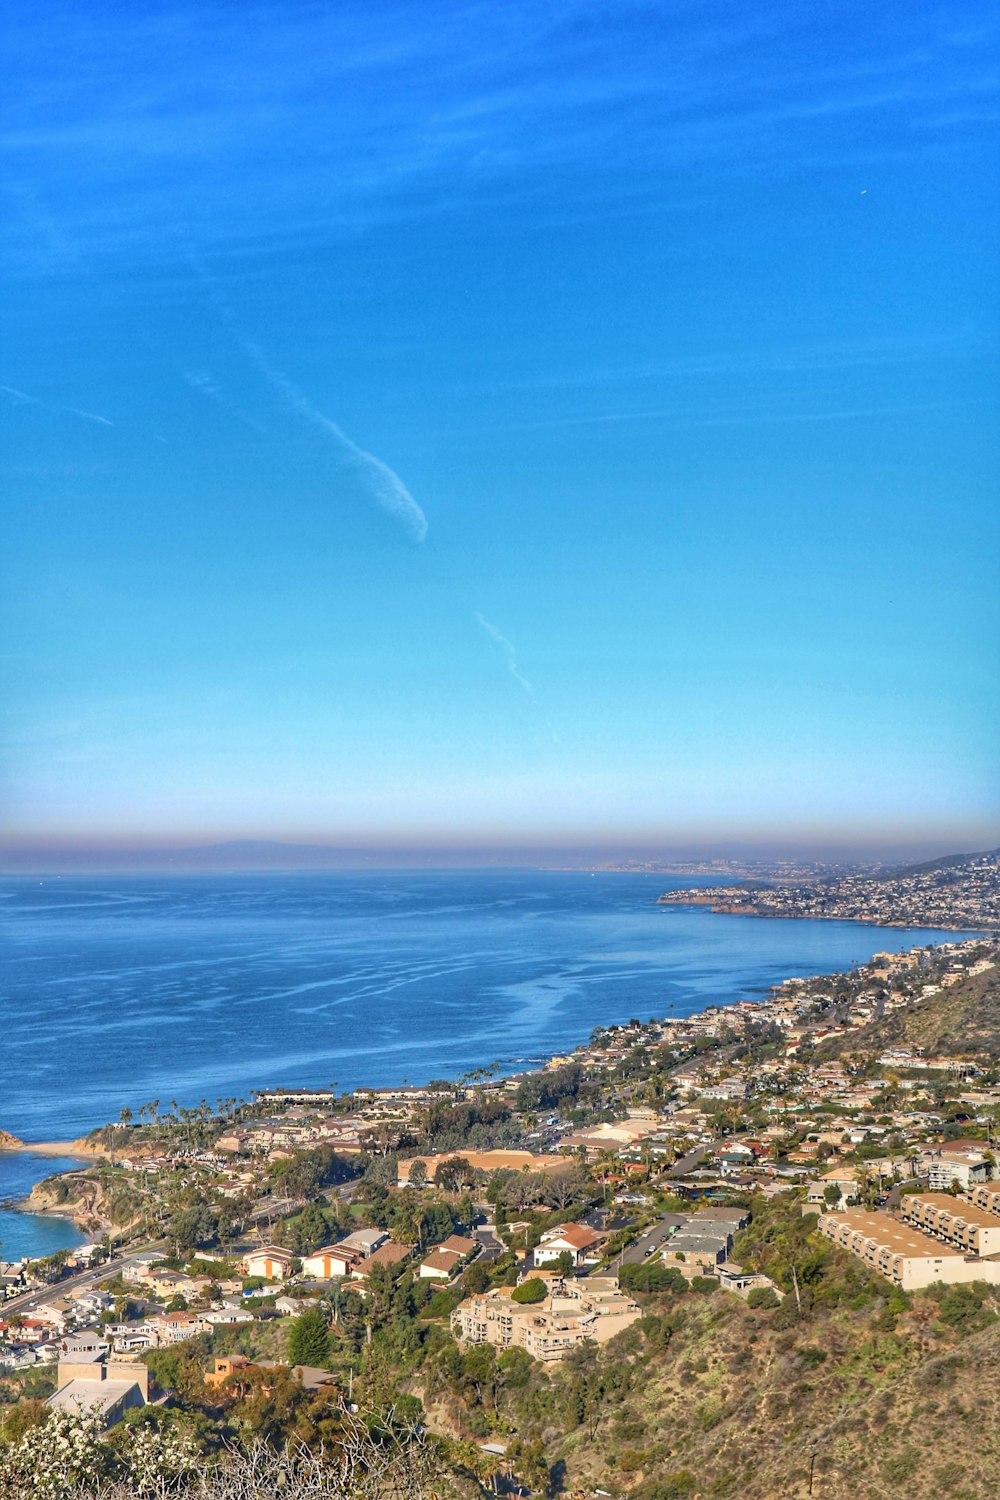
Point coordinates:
[[121, 990], [31, 1234]]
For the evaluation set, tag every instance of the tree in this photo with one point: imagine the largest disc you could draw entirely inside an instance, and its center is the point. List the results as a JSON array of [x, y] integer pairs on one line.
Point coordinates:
[[532, 1290], [309, 1339], [418, 1174], [476, 1278]]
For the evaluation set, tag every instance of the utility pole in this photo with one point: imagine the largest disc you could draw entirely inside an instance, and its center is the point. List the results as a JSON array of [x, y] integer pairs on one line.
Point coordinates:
[[798, 1300]]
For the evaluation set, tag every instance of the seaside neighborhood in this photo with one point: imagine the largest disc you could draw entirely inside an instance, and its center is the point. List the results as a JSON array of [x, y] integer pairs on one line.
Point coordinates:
[[290, 1242]]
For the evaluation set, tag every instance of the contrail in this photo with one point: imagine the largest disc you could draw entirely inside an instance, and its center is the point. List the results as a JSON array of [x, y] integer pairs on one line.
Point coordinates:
[[507, 648], [204, 382], [384, 484], [73, 411]]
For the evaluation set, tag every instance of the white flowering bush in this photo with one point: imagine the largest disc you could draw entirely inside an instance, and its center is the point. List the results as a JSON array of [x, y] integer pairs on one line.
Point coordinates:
[[69, 1458], [152, 1458], [69, 1455], [64, 1456]]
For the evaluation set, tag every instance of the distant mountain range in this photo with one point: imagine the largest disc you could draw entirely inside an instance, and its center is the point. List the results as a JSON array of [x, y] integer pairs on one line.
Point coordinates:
[[274, 855]]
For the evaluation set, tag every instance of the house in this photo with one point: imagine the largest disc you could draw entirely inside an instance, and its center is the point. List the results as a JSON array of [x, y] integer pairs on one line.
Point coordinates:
[[844, 1180], [219, 1317], [701, 1249], [270, 1262], [109, 1389], [364, 1241], [57, 1313], [575, 1240], [386, 1255], [82, 1347], [440, 1265], [174, 1328], [223, 1368], [331, 1261], [293, 1306]]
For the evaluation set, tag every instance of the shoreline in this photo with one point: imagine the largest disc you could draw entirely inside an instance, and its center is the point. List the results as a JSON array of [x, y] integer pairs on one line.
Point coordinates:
[[722, 910], [87, 1218], [81, 1148]]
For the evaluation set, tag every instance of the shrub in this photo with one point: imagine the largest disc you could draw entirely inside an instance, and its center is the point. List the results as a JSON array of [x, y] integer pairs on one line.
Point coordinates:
[[762, 1298], [532, 1290]]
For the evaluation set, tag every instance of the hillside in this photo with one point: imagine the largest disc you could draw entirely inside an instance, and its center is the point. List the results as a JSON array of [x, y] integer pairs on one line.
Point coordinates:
[[953, 864], [962, 1019], [708, 1398], [933, 1432]]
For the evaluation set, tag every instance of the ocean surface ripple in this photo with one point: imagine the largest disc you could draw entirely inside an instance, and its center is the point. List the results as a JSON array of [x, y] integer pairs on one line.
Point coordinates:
[[119, 991]]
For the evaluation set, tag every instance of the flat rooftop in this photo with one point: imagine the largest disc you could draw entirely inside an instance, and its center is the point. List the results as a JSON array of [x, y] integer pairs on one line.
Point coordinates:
[[900, 1239], [86, 1395], [957, 1207]]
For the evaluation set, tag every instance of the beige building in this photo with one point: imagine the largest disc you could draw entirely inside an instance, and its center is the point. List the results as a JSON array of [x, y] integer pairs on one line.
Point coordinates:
[[572, 1311], [110, 1389], [948, 1164], [904, 1255], [954, 1220], [987, 1198]]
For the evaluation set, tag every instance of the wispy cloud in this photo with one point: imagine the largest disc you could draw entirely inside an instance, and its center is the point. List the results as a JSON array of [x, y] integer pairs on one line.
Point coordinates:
[[382, 483], [507, 647], [372, 109], [21, 398], [204, 382]]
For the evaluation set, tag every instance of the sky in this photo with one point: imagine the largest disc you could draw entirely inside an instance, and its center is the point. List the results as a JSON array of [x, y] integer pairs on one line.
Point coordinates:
[[463, 423]]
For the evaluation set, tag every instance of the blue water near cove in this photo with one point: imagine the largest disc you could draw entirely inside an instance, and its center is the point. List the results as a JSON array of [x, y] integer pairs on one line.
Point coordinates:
[[121, 990], [31, 1234]]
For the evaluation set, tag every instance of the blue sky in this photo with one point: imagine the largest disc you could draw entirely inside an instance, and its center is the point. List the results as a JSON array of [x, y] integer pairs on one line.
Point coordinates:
[[441, 422]]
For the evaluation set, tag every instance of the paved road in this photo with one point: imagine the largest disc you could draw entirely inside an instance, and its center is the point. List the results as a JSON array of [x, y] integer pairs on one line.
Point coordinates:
[[653, 1240], [25, 1301], [688, 1163]]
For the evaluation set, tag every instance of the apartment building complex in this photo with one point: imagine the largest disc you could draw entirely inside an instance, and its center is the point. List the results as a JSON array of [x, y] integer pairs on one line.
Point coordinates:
[[572, 1311], [957, 1221], [904, 1255]]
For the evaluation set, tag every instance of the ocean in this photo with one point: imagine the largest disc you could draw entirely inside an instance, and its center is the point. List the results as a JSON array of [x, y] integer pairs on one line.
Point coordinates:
[[122, 990], [32, 1234]]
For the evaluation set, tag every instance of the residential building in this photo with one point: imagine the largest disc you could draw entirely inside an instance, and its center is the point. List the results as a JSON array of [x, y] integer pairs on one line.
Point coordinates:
[[954, 1220], [985, 1198], [575, 1240], [331, 1261], [945, 1165], [904, 1255], [271, 1262], [110, 1389], [594, 1309]]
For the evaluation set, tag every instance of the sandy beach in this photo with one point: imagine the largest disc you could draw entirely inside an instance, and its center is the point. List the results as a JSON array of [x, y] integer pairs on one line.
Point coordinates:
[[54, 1148]]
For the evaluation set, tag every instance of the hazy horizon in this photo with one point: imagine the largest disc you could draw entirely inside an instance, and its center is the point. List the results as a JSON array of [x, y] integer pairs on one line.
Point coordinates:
[[249, 854]]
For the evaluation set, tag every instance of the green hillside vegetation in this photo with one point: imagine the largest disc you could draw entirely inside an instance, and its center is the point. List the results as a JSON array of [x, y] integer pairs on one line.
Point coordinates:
[[963, 1019], [708, 1396]]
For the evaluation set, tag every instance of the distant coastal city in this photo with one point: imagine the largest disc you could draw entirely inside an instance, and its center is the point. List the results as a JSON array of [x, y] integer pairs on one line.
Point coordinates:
[[475, 1250], [959, 893]]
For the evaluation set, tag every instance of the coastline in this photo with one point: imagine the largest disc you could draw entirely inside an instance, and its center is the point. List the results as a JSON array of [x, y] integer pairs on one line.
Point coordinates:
[[794, 916], [54, 1148]]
